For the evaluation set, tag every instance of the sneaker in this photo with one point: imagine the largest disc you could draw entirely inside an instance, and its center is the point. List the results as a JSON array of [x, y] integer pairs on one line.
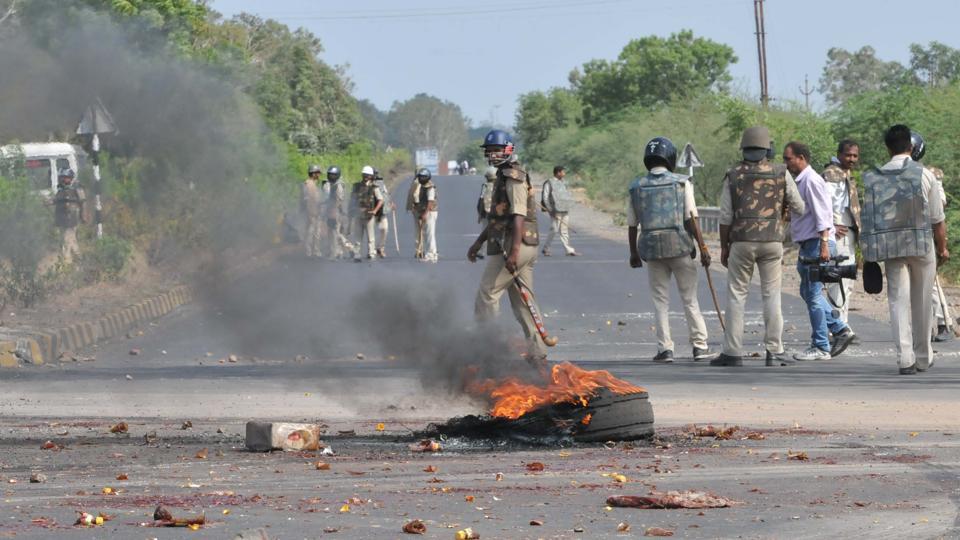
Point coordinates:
[[912, 370], [841, 341], [779, 359], [725, 360], [701, 354], [812, 353], [663, 357], [546, 252], [942, 334]]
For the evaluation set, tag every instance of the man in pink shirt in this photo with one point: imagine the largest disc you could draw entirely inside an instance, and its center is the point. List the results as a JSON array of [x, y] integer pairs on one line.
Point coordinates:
[[813, 232]]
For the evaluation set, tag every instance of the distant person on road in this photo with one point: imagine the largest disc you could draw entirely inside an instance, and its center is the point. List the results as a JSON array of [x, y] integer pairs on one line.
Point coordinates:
[[513, 236], [425, 215], [484, 203], [904, 227], [813, 233], [663, 232], [755, 199], [464, 167], [366, 202], [383, 216], [939, 322], [334, 195], [418, 232], [69, 205], [846, 218], [311, 202], [555, 200]]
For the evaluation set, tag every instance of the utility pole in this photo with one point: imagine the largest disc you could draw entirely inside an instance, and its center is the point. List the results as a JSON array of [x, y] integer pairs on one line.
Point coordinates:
[[806, 91], [761, 51]]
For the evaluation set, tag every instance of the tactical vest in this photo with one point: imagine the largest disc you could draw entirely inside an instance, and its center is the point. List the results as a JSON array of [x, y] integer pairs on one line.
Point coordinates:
[[560, 196], [385, 208], [423, 192], [333, 193], [501, 212], [66, 207], [895, 215], [365, 196], [757, 191], [659, 204]]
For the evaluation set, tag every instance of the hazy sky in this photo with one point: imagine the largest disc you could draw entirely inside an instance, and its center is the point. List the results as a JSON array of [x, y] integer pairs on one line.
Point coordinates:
[[483, 55]]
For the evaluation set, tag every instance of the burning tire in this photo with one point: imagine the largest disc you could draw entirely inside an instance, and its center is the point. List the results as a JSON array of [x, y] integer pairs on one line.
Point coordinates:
[[617, 417]]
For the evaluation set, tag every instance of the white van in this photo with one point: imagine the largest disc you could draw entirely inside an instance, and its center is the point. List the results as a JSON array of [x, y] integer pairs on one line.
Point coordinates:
[[43, 160]]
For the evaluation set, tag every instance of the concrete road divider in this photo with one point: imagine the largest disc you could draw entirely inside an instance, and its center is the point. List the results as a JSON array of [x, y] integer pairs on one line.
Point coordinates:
[[40, 346]]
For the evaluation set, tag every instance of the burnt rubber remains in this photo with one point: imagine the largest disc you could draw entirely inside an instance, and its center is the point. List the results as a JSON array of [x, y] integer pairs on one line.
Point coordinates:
[[606, 417]]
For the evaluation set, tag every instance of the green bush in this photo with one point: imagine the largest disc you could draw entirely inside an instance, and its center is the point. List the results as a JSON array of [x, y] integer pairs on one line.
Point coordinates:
[[105, 259], [27, 234]]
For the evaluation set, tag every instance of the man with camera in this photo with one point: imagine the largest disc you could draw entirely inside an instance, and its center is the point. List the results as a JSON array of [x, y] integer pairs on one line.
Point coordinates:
[[813, 232], [904, 227]]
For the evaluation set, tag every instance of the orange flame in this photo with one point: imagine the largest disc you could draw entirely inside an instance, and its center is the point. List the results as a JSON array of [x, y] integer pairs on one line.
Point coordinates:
[[568, 384]]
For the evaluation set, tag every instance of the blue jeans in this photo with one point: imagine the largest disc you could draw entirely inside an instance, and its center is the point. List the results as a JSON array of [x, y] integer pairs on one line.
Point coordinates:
[[822, 316]]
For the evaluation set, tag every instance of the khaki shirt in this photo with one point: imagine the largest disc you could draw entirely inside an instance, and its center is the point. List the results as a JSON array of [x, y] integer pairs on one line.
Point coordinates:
[[517, 193]]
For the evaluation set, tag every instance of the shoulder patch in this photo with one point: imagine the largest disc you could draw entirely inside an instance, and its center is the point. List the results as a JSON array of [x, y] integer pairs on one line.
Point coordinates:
[[514, 174]]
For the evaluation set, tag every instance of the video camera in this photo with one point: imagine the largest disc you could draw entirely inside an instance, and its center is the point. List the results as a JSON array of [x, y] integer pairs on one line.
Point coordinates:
[[831, 271]]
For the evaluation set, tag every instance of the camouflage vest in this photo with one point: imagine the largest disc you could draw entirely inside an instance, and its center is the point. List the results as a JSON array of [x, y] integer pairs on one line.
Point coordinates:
[[659, 205], [896, 216], [365, 196], [757, 191], [66, 207], [421, 204], [501, 214], [834, 173]]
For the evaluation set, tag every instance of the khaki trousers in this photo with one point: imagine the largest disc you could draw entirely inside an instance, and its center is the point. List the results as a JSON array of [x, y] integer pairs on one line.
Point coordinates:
[[685, 270], [364, 227], [909, 282], [383, 230], [69, 245], [767, 257], [845, 246], [496, 279], [418, 234], [559, 224], [313, 236], [337, 243], [939, 319], [430, 236]]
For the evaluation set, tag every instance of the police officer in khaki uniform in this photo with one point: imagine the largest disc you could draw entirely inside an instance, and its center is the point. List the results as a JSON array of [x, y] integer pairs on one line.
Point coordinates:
[[422, 175], [939, 321], [68, 212], [311, 201], [367, 200], [425, 211], [754, 201], [485, 201], [512, 234], [904, 227], [334, 195], [663, 211]]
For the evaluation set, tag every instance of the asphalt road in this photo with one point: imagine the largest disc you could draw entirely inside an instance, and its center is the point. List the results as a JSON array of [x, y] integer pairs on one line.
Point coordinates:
[[337, 342]]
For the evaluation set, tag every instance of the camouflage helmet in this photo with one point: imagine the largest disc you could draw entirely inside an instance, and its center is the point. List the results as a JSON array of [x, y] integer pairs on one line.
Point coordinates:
[[314, 169], [755, 137], [919, 147]]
